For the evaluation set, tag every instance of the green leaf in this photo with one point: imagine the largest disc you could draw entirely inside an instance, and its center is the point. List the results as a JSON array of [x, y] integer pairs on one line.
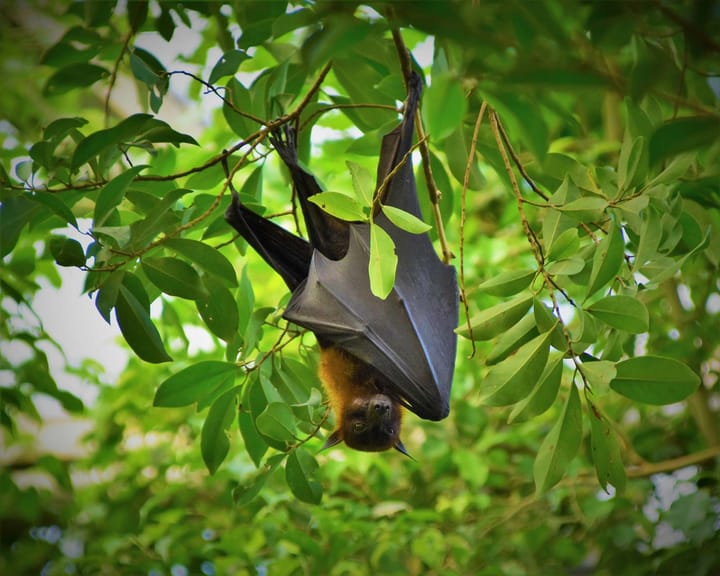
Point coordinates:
[[607, 260], [510, 340], [633, 162], [137, 328], [543, 393], [363, 183], [74, 76], [301, 470], [218, 309], [255, 446], [277, 421], [511, 380], [214, 442], [683, 134], [404, 220], [227, 65], [564, 245], [67, 252], [566, 266], [101, 140], [112, 194], [174, 277], [58, 129], [559, 447], [55, 203], [622, 312], [383, 262], [605, 450], [654, 380], [495, 320], [205, 257], [201, 382], [443, 107], [599, 373], [15, 213], [585, 209], [137, 11], [507, 283], [340, 205]]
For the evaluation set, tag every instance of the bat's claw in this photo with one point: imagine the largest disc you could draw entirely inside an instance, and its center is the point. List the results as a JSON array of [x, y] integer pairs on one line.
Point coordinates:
[[285, 142]]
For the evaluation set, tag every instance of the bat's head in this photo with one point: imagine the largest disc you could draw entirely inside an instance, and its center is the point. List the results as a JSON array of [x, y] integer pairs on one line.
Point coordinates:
[[367, 418], [369, 423]]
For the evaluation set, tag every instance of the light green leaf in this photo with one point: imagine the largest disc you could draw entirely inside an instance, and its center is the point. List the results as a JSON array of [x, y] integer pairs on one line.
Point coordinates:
[[404, 220], [510, 340], [622, 312], [340, 205], [560, 446], [443, 107], [507, 283], [633, 162], [362, 181], [383, 262], [585, 209], [654, 380], [599, 373]]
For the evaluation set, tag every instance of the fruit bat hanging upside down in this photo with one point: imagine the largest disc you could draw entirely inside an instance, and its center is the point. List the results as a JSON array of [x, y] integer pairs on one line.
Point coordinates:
[[377, 356]]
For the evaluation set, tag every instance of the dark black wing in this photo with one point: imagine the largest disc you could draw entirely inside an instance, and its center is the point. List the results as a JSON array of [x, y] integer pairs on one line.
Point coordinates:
[[409, 337]]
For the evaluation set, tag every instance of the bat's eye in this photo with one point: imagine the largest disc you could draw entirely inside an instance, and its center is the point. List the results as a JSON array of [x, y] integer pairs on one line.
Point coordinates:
[[358, 427]]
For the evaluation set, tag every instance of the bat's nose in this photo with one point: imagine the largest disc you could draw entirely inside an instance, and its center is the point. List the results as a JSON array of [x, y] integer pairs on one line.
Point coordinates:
[[381, 406]]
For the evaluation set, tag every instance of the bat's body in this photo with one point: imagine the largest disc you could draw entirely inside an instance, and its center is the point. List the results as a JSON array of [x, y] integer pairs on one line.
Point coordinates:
[[377, 355]]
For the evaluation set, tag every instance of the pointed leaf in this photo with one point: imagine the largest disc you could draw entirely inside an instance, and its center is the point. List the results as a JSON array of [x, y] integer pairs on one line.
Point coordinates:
[[206, 257], [174, 277], [543, 394], [405, 221], [605, 449], [301, 470], [507, 283], [218, 309], [607, 260], [196, 383], [214, 442], [560, 445], [137, 328], [495, 320], [383, 262], [654, 380], [277, 421], [363, 183], [112, 194], [585, 209], [443, 107], [511, 380], [340, 205]]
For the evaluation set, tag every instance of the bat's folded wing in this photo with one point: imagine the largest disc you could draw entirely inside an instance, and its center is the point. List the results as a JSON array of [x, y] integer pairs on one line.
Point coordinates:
[[408, 337]]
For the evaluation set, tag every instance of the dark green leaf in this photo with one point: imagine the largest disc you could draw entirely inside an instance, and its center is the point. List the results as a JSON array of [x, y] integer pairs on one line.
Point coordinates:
[[55, 203], [255, 446], [15, 213], [227, 65], [543, 394], [277, 421], [67, 252], [559, 447], [607, 260], [301, 471], [137, 328], [112, 194], [201, 383], [218, 309], [74, 76], [214, 441], [683, 134], [206, 257], [174, 277], [137, 11], [654, 380]]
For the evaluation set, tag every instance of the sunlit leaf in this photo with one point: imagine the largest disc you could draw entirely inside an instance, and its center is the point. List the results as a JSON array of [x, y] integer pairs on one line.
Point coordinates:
[[383, 262], [622, 312], [654, 380]]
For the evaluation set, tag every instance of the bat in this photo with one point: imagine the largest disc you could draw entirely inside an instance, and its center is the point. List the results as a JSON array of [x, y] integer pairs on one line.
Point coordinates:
[[376, 356]]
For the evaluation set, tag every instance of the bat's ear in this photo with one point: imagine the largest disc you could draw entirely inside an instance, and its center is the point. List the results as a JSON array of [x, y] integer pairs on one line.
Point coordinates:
[[400, 447], [333, 440]]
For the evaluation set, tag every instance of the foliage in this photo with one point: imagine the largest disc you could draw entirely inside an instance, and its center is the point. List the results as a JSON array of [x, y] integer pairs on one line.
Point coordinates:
[[576, 147]]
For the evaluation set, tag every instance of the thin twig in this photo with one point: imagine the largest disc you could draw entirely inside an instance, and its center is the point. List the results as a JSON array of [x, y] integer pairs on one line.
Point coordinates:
[[463, 216]]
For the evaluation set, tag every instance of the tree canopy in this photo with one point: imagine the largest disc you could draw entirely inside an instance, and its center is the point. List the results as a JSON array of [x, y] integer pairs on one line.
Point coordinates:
[[568, 164]]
